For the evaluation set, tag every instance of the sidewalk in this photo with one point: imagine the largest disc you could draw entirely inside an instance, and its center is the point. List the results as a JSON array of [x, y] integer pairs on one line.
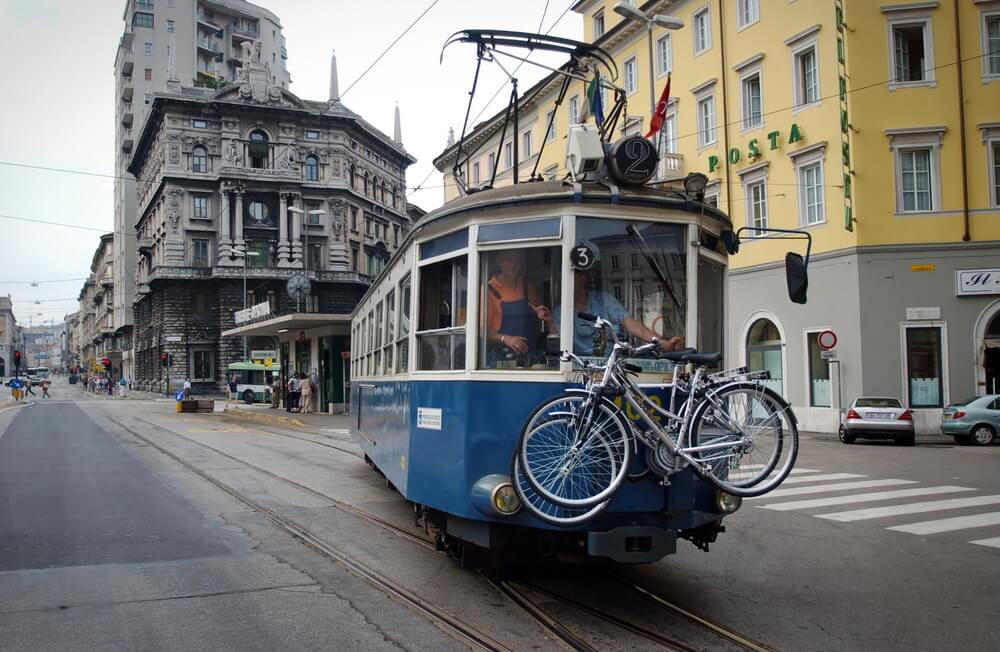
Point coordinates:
[[263, 413]]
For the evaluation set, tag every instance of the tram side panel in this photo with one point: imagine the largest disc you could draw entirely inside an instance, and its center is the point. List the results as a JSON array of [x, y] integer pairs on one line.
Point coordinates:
[[382, 427]]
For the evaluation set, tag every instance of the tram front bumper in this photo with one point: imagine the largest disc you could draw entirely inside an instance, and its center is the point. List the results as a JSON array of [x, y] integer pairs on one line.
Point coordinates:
[[634, 544]]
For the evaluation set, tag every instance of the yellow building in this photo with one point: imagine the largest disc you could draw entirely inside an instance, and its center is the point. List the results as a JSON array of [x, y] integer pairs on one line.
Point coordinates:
[[866, 123]]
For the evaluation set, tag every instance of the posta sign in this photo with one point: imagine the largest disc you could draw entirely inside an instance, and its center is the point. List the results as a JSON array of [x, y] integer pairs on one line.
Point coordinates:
[[753, 152]]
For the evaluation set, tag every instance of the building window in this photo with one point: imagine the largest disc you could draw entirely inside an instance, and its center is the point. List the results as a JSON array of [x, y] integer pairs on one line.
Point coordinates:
[[810, 181], [491, 161], [598, 25], [754, 182], [258, 149], [525, 145], [668, 134], [258, 255], [819, 373], [170, 26], [199, 252], [140, 19], [550, 125], [147, 49], [764, 353], [915, 180], [916, 161], [924, 378], [753, 114], [628, 72], [199, 206], [354, 219], [199, 124], [995, 168], [806, 77], [202, 365], [747, 12], [664, 55], [199, 159], [508, 155], [148, 74], [574, 110], [312, 168], [316, 256], [991, 45], [475, 173], [702, 31], [911, 54], [147, 99], [312, 134], [706, 121]]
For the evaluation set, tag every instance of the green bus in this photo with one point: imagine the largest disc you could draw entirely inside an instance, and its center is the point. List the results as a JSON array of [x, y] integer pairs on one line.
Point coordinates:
[[253, 380]]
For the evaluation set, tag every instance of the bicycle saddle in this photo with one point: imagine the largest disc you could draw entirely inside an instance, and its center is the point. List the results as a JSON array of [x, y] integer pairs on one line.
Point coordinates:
[[702, 358], [676, 356]]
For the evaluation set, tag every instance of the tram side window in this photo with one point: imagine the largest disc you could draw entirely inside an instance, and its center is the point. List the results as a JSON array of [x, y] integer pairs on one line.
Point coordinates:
[[519, 288], [441, 317], [390, 321], [377, 346], [403, 344]]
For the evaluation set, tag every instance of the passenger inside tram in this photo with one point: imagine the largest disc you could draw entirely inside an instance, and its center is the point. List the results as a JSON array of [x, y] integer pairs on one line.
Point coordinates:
[[517, 312]]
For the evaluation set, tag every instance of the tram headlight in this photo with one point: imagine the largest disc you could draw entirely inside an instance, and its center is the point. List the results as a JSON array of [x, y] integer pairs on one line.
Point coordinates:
[[505, 500], [727, 503]]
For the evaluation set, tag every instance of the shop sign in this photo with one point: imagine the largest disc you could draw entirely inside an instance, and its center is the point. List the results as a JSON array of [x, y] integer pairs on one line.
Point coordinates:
[[263, 354], [734, 155], [977, 281], [253, 312]]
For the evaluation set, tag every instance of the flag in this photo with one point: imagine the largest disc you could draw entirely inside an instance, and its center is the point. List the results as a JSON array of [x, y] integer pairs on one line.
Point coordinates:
[[661, 111], [595, 100]]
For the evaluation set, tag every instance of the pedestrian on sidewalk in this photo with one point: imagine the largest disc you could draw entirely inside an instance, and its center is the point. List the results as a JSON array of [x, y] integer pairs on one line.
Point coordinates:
[[123, 387], [232, 387], [15, 385], [187, 389], [45, 389], [306, 387], [294, 392], [276, 392]]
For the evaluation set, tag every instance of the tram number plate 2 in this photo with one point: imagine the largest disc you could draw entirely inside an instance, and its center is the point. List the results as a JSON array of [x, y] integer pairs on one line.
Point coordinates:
[[429, 418]]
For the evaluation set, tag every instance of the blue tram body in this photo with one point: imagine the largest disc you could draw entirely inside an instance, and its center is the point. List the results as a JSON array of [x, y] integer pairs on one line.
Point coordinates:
[[441, 421]]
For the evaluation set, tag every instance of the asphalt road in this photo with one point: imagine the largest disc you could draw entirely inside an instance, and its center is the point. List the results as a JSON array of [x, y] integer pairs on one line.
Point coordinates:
[[106, 545]]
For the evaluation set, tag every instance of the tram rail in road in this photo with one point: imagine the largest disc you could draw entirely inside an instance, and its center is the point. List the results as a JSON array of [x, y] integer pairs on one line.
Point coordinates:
[[518, 592]]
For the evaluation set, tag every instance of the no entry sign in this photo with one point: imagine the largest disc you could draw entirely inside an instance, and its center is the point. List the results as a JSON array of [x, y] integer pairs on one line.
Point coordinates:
[[826, 340]]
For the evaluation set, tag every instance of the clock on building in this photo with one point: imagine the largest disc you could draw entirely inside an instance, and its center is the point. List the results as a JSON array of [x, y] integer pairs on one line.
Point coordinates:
[[298, 286]]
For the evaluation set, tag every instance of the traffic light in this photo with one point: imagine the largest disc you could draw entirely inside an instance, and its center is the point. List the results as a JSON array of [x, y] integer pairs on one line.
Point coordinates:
[[164, 358], [17, 359], [106, 362]]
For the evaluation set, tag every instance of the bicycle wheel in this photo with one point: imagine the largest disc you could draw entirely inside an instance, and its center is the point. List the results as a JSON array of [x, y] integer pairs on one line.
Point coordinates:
[[572, 471], [550, 512], [746, 438]]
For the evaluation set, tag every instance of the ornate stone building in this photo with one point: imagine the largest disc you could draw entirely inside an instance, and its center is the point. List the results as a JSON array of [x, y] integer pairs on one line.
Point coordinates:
[[244, 187]]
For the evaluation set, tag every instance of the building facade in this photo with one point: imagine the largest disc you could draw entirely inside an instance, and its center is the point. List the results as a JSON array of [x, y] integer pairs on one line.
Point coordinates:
[[241, 189], [871, 126], [189, 42], [95, 333], [9, 339]]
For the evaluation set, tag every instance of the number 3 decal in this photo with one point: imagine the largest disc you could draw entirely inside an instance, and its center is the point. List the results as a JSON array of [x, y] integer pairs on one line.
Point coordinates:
[[582, 257]]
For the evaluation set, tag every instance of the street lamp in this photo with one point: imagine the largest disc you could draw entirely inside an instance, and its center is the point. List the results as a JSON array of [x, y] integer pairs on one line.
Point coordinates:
[[244, 255], [626, 10], [305, 229]]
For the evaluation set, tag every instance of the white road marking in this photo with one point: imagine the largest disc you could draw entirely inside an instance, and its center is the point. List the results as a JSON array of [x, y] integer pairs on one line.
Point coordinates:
[[950, 524], [863, 498], [828, 476], [992, 543], [911, 508], [840, 486]]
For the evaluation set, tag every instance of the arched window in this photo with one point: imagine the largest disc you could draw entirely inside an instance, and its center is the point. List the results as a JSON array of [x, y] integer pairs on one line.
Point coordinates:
[[764, 351], [392, 195], [312, 168], [354, 177], [259, 149], [382, 196], [366, 184], [199, 159]]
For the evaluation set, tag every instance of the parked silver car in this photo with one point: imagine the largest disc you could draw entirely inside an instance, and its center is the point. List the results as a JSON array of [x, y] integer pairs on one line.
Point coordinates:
[[870, 417], [976, 420]]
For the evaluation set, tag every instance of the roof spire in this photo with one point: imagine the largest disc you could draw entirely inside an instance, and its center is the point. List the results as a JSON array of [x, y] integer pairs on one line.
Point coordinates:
[[334, 86], [397, 130]]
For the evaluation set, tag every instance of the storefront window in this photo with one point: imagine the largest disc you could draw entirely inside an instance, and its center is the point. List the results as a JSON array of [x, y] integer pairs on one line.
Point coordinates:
[[519, 288], [442, 312], [819, 374], [923, 366]]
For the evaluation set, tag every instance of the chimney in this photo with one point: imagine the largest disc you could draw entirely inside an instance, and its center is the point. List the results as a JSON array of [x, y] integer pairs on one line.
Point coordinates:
[[397, 131], [334, 86]]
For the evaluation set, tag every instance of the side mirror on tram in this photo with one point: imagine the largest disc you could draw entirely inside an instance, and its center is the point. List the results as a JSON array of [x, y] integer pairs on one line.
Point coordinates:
[[731, 241], [796, 277]]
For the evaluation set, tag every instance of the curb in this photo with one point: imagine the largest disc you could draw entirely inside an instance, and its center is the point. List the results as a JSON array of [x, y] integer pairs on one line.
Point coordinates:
[[263, 418], [14, 406]]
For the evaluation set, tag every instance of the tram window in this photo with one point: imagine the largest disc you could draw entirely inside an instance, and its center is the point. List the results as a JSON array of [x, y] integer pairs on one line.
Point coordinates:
[[403, 345], [441, 317], [378, 339], [649, 307], [711, 304], [445, 244], [390, 321], [518, 290], [528, 230]]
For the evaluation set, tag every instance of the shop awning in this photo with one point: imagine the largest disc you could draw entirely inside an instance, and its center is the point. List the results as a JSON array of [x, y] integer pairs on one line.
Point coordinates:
[[296, 321]]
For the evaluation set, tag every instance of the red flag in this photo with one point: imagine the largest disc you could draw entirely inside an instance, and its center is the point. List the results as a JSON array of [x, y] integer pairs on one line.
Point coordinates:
[[661, 111]]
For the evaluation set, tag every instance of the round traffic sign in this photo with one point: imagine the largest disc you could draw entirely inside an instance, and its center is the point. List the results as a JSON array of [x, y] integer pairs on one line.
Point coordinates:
[[826, 340]]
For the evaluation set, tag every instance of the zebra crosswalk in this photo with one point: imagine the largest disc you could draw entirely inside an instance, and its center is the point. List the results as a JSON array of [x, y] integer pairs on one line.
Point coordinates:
[[849, 498]]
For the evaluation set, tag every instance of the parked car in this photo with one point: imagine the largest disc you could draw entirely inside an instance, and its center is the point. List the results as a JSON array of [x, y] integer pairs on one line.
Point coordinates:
[[976, 420], [869, 417]]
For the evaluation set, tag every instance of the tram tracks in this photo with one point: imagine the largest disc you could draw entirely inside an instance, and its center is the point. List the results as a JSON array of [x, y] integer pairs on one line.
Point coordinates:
[[518, 592]]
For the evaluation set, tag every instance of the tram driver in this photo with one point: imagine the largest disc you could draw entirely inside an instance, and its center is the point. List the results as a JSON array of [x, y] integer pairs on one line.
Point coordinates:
[[515, 313]]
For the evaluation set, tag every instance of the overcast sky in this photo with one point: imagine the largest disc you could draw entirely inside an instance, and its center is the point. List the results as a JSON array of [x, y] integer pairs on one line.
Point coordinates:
[[58, 109]]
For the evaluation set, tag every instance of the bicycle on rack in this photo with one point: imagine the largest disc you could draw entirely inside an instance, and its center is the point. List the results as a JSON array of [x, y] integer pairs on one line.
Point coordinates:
[[575, 449]]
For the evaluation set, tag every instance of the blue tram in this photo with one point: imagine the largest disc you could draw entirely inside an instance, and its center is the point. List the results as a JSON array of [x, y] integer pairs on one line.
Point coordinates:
[[458, 340]]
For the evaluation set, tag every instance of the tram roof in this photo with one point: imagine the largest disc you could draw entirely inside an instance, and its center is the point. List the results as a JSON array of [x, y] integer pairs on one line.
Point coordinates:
[[565, 192]]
